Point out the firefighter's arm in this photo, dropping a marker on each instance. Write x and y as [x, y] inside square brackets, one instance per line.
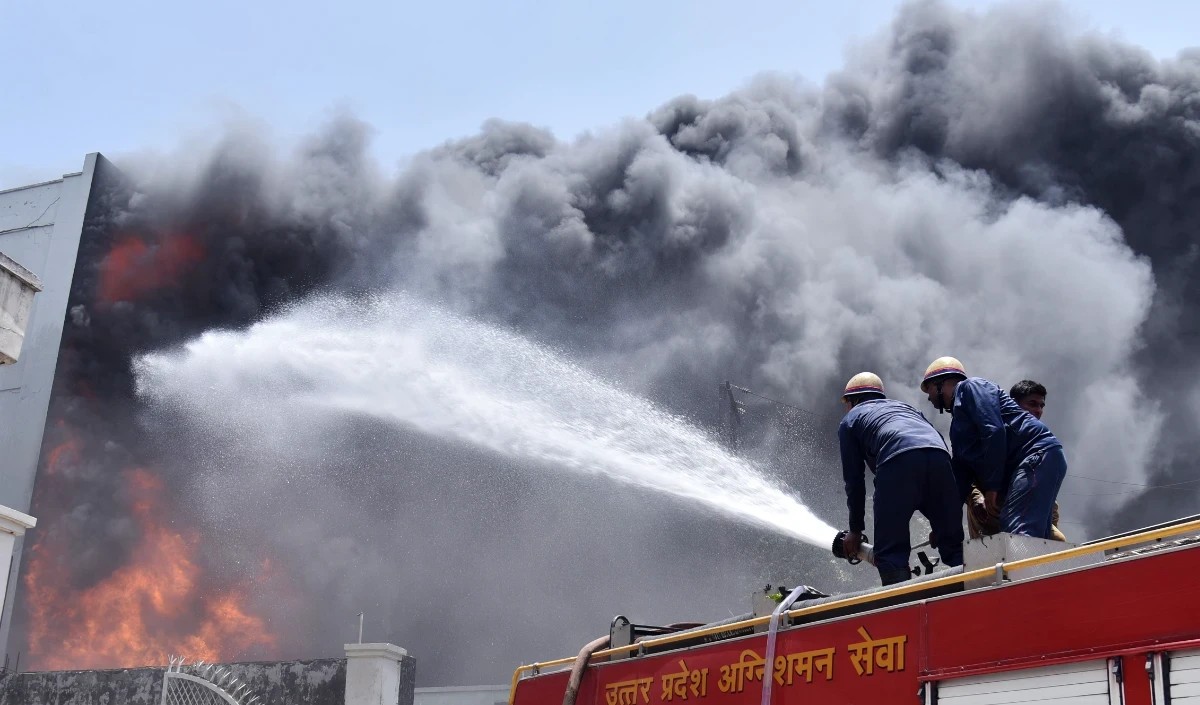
[854, 474]
[984, 413]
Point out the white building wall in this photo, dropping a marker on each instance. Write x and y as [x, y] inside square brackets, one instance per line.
[40, 227]
[462, 695]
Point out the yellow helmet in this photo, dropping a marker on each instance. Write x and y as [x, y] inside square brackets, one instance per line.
[863, 383]
[943, 367]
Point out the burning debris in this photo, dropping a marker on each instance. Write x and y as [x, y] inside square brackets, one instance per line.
[984, 180]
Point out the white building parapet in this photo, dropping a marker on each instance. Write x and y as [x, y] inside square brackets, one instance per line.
[17, 288]
[376, 674]
[12, 525]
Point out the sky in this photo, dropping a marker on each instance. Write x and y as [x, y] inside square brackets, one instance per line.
[136, 76]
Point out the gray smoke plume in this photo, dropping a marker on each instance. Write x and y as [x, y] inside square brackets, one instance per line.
[986, 185]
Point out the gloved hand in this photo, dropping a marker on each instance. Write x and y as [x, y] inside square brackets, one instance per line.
[852, 543]
[978, 509]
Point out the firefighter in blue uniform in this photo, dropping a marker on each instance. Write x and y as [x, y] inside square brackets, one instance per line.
[912, 473]
[1011, 456]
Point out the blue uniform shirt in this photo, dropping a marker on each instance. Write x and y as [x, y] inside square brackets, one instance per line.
[991, 434]
[874, 432]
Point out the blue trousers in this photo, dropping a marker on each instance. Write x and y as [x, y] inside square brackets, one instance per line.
[1032, 490]
[918, 480]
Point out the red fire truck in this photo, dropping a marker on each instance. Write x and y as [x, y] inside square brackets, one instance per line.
[1022, 621]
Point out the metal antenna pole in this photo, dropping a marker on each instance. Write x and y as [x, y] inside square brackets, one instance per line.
[360, 623]
[731, 412]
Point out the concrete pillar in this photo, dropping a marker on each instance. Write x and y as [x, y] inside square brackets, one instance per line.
[12, 525]
[379, 674]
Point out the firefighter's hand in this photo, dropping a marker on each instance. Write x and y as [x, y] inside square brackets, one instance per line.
[852, 543]
[978, 510]
[991, 504]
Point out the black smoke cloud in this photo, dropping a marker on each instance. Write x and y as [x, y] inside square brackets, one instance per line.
[987, 185]
[1087, 121]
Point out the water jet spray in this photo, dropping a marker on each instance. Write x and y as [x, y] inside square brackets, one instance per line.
[423, 368]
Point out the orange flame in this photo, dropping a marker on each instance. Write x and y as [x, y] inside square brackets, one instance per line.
[133, 267]
[64, 453]
[149, 607]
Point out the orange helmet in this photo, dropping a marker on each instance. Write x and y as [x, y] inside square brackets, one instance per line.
[943, 367]
[863, 383]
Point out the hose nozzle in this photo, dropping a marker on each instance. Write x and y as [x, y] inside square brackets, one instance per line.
[866, 552]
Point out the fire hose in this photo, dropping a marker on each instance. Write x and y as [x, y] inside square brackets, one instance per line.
[581, 663]
[778, 615]
[585, 655]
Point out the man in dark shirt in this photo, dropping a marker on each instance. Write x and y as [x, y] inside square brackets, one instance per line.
[912, 473]
[1012, 457]
[1031, 396]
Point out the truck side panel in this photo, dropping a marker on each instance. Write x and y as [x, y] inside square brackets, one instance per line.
[1122, 608]
[868, 661]
[1120, 605]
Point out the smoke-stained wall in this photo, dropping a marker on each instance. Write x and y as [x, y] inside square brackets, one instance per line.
[984, 184]
[40, 228]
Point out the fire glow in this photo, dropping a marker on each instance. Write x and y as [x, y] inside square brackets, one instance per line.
[133, 267]
[152, 605]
